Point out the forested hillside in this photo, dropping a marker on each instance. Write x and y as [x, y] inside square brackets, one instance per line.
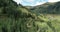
[17, 18]
[47, 8]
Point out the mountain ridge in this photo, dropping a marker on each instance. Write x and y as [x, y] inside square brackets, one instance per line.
[49, 8]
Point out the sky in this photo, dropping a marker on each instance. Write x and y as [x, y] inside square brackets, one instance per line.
[33, 2]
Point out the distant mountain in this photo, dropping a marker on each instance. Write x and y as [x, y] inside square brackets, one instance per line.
[50, 8]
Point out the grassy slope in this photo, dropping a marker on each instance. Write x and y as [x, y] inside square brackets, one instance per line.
[51, 19]
[32, 23]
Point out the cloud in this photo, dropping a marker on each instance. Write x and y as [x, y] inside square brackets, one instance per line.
[34, 2]
[18, 1]
[39, 3]
[53, 0]
[28, 0]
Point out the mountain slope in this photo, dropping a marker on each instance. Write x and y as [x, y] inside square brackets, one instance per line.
[49, 8]
[17, 18]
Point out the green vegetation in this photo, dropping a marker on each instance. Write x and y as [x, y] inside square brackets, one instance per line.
[17, 18]
[47, 8]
